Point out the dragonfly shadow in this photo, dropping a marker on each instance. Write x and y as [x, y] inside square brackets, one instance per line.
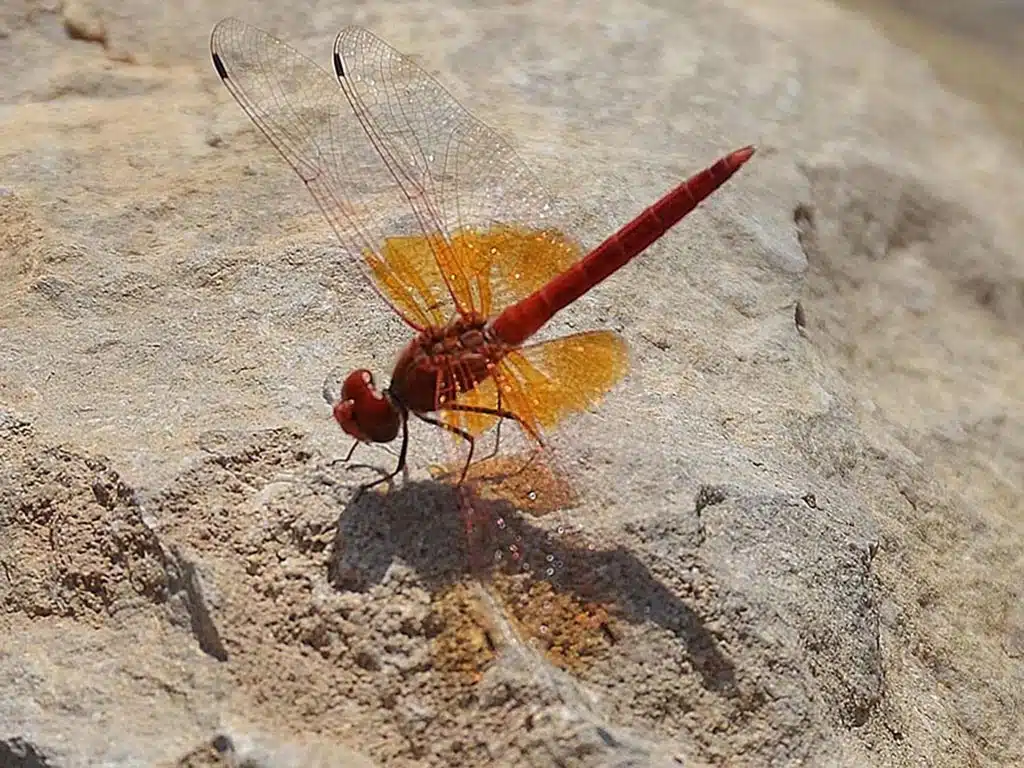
[420, 525]
[416, 522]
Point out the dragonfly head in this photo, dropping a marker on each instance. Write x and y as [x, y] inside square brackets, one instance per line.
[364, 412]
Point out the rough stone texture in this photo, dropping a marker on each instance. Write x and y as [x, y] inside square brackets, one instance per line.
[791, 536]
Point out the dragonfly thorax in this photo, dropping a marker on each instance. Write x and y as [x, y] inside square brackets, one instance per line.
[364, 412]
[444, 361]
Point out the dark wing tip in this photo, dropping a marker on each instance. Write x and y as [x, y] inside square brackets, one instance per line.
[219, 66]
[339, 66]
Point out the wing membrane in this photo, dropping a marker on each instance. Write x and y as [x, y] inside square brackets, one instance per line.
[461, 176]
[419, 191]
[305, 115]
[543, 383]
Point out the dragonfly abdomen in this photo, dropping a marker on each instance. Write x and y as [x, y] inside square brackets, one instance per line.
[524, 318]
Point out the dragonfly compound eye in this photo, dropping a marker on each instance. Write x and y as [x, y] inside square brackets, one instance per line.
[357, 384]
[365, 413]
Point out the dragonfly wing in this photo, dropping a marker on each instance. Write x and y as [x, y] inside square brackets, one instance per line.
[484, 395]
[462, 177]
[543, 383]
[301, 110]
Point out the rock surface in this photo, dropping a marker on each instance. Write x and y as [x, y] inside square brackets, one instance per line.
[794, 534]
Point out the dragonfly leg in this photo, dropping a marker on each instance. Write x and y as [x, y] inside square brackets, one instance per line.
[455, 431]
[537, 449]
[351, 450]
[497, 431]
[401, 460]
[466, 510]
[348, 456]
[501, 413]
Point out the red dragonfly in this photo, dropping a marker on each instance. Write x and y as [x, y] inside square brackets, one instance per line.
[449, 227]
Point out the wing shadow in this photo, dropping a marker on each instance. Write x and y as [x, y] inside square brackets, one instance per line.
[419, 523]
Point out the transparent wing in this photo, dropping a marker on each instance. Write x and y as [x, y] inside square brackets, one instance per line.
[504, 237]
[306, 116]
[543, 383]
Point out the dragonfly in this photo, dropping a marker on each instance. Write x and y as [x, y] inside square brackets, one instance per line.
[441, 218]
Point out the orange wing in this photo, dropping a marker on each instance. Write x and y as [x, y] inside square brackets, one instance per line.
[488, 269]
[543, 383]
